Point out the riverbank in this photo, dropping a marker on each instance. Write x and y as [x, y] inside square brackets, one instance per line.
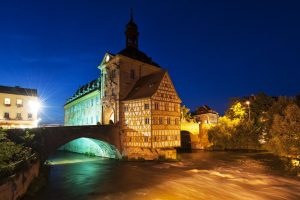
[289, 164]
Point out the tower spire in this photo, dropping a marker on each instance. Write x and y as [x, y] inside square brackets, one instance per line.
[131, 33]
[131, 15]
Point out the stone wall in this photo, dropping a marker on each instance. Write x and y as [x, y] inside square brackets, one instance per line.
[16, 186]
[135, 153]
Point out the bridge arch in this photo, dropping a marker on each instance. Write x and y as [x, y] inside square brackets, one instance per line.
[52, 138]
[186, 142]
[92, 147]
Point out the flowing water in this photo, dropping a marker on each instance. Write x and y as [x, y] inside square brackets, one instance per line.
[199, 175]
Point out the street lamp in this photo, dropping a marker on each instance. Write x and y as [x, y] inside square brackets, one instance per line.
[248, 104]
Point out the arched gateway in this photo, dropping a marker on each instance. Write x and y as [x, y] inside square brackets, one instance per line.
[49, 139]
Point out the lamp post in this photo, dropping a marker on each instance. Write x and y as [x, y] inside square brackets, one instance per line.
[248, 103]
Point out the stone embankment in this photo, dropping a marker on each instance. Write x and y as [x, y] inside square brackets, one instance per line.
[15, 186]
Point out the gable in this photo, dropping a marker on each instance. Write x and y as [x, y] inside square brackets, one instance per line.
[106, 58]
[166, 91]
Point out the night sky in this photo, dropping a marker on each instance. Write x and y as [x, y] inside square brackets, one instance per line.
[213, 50]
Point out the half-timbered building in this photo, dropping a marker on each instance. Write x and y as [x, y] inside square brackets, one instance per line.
[138, 94]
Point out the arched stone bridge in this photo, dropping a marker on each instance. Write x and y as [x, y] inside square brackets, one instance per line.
[49, 139]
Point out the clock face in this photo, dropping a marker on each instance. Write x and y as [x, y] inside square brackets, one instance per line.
[107, 58]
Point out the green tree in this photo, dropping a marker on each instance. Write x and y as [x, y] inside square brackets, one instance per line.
[259, 106]
[186, 114]
[285, 132]
[236, 111]
[9, 151]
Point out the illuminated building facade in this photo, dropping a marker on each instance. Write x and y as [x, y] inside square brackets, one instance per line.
[18, 107]
[206, 115]
[83, 108]
[139, 96]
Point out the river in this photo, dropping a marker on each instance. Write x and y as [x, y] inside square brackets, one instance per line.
[198, 175]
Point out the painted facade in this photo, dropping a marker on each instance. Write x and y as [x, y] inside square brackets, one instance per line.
[18, 107]
[83, 108]
[138, 95]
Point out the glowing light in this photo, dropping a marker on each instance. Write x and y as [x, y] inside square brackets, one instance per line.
[296, 163]
[91, 147]
[248, 103]
[35, 106]
[65, 162]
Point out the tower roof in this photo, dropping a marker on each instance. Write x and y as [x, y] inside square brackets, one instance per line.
[131, 22]
[131, 49]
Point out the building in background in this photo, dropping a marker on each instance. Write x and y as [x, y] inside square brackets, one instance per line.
[18, 107]
[135, 93]
[206, 115]
[83, 108]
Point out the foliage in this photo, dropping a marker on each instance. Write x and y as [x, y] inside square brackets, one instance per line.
[274, 125]
[285, 132]
[260, 104]
[186, 114]
[236, 111]
[11, 154]
[234, 134]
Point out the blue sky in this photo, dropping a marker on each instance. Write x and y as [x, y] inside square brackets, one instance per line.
[213, 50]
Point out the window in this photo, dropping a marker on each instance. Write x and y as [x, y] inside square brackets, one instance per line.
[147, 121]
[6, 115]
[125, 108]
[146, 139]
[166, 106]
[92, 102]
[156, 106]
[19, 116]
[113, 73]
[19, 102]
[168, 120]
[146, 106]
[29, 115]
[7, 101]
[160, 120]
[177, 121]
[162, 106]
[132, 74]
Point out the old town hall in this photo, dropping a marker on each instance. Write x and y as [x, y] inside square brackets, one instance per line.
[136, 94]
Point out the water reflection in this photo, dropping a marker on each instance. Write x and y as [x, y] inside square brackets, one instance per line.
[202, 175]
